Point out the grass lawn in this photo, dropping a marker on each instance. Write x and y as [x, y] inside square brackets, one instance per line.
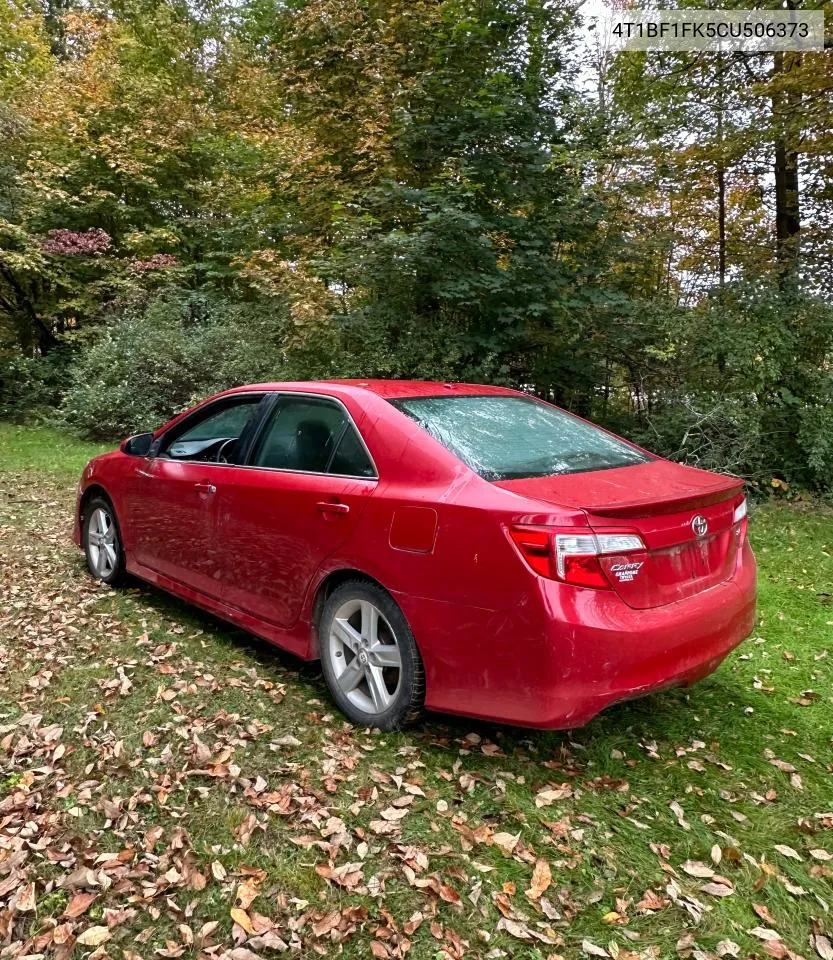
[172, 787]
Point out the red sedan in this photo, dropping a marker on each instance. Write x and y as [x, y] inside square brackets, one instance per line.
[464, 548]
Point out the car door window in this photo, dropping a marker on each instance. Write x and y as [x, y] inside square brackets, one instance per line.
[216, 436]
[313, 436]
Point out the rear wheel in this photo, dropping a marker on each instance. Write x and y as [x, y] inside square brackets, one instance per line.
[102, 542]
[369, 657]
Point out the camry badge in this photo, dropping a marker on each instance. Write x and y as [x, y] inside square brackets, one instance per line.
[700, 525]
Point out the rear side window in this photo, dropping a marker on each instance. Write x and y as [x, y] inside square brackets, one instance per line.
[313, 436]
[510, 438]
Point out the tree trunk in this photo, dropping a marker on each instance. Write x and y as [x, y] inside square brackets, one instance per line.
[721, 180]
[786, 105]
[721, 224]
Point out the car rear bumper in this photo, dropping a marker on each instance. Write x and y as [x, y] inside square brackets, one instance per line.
[674, 645]
[589, 650]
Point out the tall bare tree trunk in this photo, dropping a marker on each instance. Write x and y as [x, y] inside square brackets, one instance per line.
[786, 107]
[721, 179]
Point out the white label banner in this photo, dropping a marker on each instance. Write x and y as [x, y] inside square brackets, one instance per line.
[756, 31]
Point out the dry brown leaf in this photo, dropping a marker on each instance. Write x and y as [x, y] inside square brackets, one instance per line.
[24, 902]
[822, 946]
[449, 894]
[241, 918]
[246, 893]
[514, 928]
[763, 913]
[544, 798]
[541, 879]
[506, 842]
[327, 923]
[592, 949]
[786, 851]
[651, 901]
[79, 904]
[94, 936]
[240, 953]
[717, 889]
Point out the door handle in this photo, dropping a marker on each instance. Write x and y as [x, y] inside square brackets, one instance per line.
[327, 506]
[205, 487]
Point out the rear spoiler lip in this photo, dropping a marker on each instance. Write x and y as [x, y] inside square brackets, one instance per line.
[643, 508]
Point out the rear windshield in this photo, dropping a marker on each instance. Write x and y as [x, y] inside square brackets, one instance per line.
[509, 438]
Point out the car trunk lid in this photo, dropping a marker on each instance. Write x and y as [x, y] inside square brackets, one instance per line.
[684, 516]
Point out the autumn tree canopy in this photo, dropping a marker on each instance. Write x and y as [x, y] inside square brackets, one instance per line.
[201, 194]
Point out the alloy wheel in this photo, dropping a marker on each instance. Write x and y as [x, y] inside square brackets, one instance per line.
[102, 543]
[365, 656]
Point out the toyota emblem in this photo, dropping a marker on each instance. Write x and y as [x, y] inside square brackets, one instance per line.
[700, 525]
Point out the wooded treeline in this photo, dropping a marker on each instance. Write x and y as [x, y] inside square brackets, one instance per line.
[194, 195]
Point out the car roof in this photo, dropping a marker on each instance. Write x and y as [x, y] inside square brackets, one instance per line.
[388, 389]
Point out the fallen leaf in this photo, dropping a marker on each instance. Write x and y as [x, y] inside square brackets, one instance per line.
[544, 798]
[24, 902]
[241, 918]
[679, 813]
[651, 901]
[327, 923]
[822, 946]
[786, 851]
[592, 950]
[541, 879]
[506, 842]
[79, 904]
[514, 928]
[94, 936]
[763, 912]
[717, 889]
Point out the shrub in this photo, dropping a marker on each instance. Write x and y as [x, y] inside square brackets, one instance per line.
[31, 387]
[158, 359]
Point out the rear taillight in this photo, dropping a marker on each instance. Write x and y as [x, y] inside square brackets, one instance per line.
[572, 557]
[535, 548]
[740, 519]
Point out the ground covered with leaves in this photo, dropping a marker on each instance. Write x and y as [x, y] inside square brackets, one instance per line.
[171, 787]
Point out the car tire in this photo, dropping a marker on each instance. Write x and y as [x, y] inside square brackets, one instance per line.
[101, 539]
[369, 657]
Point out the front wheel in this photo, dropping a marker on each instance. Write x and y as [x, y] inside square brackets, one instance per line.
[102, 543]
[369, 657]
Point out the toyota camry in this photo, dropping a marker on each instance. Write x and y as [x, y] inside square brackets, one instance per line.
[461, 548]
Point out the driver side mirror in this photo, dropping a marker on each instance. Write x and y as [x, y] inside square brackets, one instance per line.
[138, 445]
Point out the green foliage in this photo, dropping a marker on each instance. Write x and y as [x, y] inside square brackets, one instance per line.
[192, 197]
[31, 387]
[161, 356]
[815, 439]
